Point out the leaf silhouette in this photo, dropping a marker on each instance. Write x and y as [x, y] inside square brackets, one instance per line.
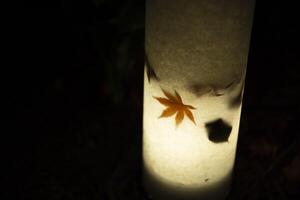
[237, 100]
[174, 106]
[214, 90]
[218, 130]
[150, 71]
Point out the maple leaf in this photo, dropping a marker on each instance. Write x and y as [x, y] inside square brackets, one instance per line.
[174, 106]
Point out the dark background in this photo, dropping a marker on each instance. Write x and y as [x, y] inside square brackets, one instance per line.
[74, 87]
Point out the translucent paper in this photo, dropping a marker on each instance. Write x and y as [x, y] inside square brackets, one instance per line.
[196, 58]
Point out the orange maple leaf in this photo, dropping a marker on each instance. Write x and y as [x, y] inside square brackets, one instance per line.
[175, 105]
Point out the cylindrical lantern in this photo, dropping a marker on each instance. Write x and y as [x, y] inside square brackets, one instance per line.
[196, 57]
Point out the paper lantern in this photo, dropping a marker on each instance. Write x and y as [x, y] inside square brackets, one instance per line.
[196, 57]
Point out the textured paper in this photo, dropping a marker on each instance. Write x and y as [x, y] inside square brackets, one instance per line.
[195, 49]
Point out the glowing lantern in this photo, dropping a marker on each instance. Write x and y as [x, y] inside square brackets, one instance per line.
[196, 57]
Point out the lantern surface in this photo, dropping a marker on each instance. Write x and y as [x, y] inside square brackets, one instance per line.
[196, 58]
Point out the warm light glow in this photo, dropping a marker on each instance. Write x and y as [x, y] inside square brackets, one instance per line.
[196, 56]
[184, 155]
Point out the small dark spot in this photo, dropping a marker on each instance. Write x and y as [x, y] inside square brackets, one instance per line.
[218, 130]
[150, 71]
[206, 179]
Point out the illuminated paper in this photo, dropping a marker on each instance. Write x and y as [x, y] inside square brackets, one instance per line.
[196, 58]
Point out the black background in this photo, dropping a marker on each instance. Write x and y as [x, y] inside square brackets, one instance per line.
[73, 89]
